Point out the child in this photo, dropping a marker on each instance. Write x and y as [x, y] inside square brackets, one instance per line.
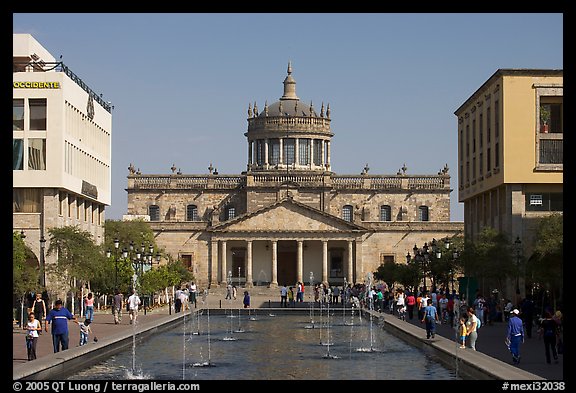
[402, 312]
[32, 327]
[84, 331]
[462, 332]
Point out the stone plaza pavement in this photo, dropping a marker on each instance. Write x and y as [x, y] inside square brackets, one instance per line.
[490, 337]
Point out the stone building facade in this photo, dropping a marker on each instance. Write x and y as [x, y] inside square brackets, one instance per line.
[288, 217]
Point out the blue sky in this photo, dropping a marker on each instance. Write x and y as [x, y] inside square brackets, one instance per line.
[181, 83]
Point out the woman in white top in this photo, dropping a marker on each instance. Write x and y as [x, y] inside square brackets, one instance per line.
[471, 325]
[400, 302]
[32, 326]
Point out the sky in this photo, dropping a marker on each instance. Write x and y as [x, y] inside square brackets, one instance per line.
[181, 83]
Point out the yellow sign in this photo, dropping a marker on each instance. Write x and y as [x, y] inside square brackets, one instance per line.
[36, 85]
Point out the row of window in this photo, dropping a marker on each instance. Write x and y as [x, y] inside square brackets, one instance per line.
[385, 213]
[309, 151]
[230, 213]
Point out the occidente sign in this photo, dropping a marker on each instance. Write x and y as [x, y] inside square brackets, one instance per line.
[36, 85]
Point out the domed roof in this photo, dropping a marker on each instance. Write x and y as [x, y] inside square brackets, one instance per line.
[289, 108]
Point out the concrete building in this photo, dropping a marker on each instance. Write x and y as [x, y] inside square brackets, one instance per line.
[61, 149]
[288, 217]
[510, 153]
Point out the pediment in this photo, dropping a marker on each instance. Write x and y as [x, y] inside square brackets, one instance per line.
[288, 216]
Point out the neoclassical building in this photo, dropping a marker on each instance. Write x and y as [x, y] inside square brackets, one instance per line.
[288, 217]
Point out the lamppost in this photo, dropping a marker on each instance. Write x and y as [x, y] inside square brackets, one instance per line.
[421, 257]
[142, 259]
[518, 250]
[42, 260]
[108, 254]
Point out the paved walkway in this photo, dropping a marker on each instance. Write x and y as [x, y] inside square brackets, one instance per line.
[490, 337]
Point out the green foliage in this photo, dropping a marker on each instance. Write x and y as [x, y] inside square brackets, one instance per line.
[136, 231]
[546, 264]
[77, 254]
[173, 273]
[24, 276]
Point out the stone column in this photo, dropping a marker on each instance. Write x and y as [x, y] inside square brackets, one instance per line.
[350, 273]
[274, 282]
[214, 262]
[323, 161]
[266, 153]
[249, 264]
[224, 271]
[300, 263]
[296, 153]
[359, 262]
[249, 152]
[281, 144]
[328, 154]
[325, 261]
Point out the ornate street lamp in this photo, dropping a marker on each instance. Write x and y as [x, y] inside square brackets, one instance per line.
[518, 249]
[42, 260]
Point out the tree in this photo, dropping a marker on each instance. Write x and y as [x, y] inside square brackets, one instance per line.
[77, 254]
[489, 258]
[545, 267]
[24, 276]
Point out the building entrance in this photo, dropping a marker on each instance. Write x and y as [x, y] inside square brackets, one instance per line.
[287, 268]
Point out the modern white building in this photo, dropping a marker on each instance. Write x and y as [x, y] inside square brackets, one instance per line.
[61, 149]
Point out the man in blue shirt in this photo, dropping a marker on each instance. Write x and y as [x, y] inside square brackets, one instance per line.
[515, 335]
[59, 316]
[431, 317]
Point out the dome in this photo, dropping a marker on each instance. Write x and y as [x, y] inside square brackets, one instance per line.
[289, 108]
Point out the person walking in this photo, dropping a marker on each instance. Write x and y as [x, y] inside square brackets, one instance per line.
[430, 317]
[246, 300]
[193, 290]
[283, 296]
[410, 302]
[549, 331]
[32, 327]
[39, 310]
[472, 327]
[59, 317]
[117, 304]
[133, 303]
[527, 313]
[291, 296]
[89, 307]
[515, 334]
[228, 292]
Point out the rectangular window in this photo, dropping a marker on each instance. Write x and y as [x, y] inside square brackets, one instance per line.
[154, 212]
[347, 213]
[488, 124]
[496, 119]
[37, 113]
[544, 201]
[481, 163]
[385, 258]
[304, 151]
[289, 151]
[317, 152]
[17, 114]
[17, 154]
[61, 201]
[551, 118]
[467, 140]
[496, 156]
[488, 160]
[481, 130]
[26, 200]
[36, 154]
[473, 167]
[259, 152]
[273, 151]
[230, 213]
[474, 136]
[460, 151]
[187, 261]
